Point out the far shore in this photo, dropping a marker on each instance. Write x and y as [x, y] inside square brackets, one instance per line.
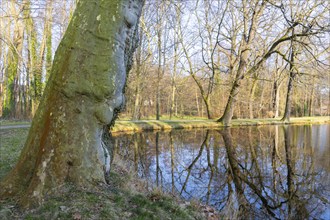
[160, 125]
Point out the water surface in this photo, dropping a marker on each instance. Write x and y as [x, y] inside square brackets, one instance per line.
[251, 172]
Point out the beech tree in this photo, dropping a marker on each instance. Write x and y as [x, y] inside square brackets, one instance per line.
[69, 140]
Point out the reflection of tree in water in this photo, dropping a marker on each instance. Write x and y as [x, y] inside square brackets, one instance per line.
[285, 193]
[254, 172]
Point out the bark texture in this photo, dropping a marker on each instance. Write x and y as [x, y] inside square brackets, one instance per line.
[69, 140]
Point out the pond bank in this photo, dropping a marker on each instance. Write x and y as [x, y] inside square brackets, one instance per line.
[125, 197]
[154, 125]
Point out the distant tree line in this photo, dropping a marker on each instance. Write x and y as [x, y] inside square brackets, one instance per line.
[202, 58]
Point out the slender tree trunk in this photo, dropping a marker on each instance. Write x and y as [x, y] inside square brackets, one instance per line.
[311, 100]
[261, 100]
[251, 97]
[69, 140]
[197, 105]
[287, 110]
[160, 56]
[208, 107]
[136, 111]
[173, 87]
[292, 75]
[176, 60]
[276, 98]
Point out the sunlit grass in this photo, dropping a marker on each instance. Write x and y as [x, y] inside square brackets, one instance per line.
[143, 125]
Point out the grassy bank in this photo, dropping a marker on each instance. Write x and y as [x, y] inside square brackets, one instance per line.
[126, 197]
[148, 125]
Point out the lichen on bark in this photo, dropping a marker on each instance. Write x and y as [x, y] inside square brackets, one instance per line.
[69, 139]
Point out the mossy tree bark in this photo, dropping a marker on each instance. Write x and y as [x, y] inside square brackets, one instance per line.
[69, 138]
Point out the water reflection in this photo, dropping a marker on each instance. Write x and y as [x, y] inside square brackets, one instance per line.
[249, 173]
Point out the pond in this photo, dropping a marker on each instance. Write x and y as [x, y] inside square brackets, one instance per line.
[249, 172]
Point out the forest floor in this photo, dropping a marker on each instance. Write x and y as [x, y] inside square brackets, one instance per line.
[126, 197]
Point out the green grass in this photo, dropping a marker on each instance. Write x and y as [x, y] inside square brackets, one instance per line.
[143, 125]
[126, 197]
[15, 122]
[11, 143]
[163, 117]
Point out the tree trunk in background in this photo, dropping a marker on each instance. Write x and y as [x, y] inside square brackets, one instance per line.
[311, 100]
[160, 56]
[176, 60]
[261, 99]
[32, 58]
[12, 70]
[204, 94]
[69, 139]
[228, 113]
[48, 36]
[251, 97]
[136, 111]
[287, 110]
[250, 25]
[197, 106]
[44, 60]
[276, 98]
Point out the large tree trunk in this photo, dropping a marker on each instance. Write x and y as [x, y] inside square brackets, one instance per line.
[69, 136]
[228, 113]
